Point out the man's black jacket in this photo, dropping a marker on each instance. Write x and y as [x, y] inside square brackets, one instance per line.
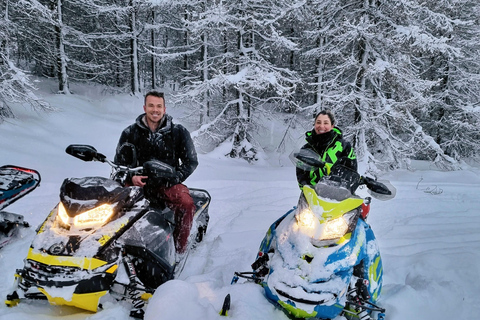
[170, 143]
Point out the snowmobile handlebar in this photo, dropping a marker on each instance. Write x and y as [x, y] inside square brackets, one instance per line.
[308, 159]
[89, 153]
[157, 170]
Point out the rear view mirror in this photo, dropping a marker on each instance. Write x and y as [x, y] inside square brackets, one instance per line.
[127, 155]
[381, 190]
[85, 152]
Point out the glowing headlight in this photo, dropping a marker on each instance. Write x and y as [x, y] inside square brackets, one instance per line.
[62, 214]
[334, 229]
[306, 218]
[88, 218]
[337, 228]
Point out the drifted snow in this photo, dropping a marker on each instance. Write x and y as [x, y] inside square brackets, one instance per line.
[64, 292]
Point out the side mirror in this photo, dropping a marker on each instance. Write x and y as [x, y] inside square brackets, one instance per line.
[85, 152]
[127, 155]
[383, 190]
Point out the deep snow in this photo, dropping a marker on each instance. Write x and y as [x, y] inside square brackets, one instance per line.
[428, 234]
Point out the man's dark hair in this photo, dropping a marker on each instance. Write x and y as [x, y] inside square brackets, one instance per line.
[155, 94]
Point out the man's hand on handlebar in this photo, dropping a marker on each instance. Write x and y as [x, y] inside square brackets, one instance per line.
[139, 181]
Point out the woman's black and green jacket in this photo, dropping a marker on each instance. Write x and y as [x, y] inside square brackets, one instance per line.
[332, 148]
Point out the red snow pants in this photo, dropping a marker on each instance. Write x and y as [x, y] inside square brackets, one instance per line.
[178, 199]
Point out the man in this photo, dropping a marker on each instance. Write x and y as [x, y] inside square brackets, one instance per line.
[156, 137]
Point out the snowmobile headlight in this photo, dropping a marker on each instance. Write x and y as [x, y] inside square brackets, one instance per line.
[98, 215]
[337, 228]
[334, 229]
[306, 218]
[62, 214]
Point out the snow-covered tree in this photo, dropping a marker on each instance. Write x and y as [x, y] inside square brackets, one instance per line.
[366, 70]
[453, 116]
[401, 76]
[57, 38]
[16, 88]
[170, 42]
[236, 41]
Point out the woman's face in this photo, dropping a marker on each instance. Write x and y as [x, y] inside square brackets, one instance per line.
[322, 124]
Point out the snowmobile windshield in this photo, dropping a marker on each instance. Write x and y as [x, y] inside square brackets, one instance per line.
[91, 202]
[82, 194]
[331, 189]
[343, 177]
[339, 175]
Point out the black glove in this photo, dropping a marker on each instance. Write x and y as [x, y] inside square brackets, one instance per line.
[179, 178]
[160, 174]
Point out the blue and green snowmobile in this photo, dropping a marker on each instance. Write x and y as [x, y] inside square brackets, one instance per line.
[321, 259]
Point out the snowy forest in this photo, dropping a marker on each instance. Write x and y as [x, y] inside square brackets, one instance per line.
[402, 77]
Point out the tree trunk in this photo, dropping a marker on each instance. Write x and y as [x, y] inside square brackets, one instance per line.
[152, 57]
[62, 67]
[5, 112]
[360, 88]
[205, 107]
[241, 146]
[135, 86]
[320, 68]
[186, 65]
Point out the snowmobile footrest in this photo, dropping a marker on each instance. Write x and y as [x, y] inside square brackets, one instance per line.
[12, 299]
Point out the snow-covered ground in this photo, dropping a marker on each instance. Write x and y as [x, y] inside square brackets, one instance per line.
[428, 234]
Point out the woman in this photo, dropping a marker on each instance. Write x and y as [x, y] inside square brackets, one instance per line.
[326, 140]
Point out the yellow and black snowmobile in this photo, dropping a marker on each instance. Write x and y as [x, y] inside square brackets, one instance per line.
[105, 238]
